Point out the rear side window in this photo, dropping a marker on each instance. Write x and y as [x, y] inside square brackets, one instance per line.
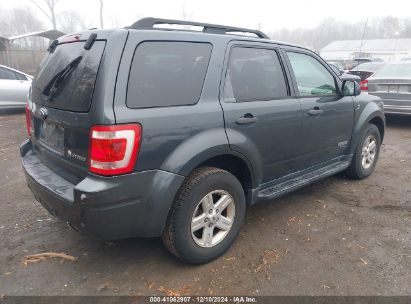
[167, 74]
[7, 74]
[254, 74]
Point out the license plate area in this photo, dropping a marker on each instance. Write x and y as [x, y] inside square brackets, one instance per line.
[52, 136]
[393, 88]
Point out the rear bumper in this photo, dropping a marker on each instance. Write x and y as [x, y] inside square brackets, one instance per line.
[395, 106]
[132, 205]
[12, 104]
[392, 109]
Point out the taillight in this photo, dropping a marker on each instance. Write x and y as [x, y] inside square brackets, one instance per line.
[114, 149]
[364, 85]
[28, 120]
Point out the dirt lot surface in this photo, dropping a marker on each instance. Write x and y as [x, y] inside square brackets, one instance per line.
[335, 237]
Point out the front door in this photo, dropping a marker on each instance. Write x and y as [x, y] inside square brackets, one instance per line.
[262, 119]
[327, 115]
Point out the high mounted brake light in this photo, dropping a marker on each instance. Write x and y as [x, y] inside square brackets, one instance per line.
[70, 38]
[114, 149]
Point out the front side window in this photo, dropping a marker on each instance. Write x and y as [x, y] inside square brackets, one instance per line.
[254, 74]
[311, 76]
[7, 74]
[167, 74]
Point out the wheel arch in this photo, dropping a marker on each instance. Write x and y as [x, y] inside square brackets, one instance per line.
[370, 114]
[211, 148]
[379, 122]
[237, 166]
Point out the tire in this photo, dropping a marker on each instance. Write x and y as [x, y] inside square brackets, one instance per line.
[193, 246]
[357, 169]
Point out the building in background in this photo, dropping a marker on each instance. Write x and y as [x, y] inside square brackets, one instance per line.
[385, 49]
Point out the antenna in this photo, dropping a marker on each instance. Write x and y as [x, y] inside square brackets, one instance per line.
[363, 34]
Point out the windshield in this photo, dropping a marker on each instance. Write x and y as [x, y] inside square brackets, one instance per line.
[395, 70]
[66, 77]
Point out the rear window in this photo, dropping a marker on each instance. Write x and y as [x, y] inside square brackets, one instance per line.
[167, 74]
[371, 67]
[76, 90]
[395, 70]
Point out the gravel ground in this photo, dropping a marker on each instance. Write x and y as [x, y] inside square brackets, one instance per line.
[335, 237]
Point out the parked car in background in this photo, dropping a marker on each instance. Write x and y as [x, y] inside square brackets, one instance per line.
[14, 88]
[343, 75]
[337, 64]
[357, 61]
[365, 70]
[392, 83]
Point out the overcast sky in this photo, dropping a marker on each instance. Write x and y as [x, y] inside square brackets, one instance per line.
[271, 15]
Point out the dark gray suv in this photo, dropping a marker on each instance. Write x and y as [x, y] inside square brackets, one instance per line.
[148, 132]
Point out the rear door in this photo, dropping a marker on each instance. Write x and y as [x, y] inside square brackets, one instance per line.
[261, 115]
[327, 116]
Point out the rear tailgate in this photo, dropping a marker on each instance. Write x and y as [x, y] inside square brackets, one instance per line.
[76, 90]
[64, 108]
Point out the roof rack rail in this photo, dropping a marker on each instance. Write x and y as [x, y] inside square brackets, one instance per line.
[149, 23]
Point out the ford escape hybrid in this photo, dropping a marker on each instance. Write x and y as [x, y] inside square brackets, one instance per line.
[148, 131]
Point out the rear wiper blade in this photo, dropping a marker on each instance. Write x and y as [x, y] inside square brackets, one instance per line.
[51, 89]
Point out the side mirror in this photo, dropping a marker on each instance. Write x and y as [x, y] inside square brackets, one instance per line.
[350, 88]
[335, 69]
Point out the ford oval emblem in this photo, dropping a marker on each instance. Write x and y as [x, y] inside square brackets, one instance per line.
[43, 113]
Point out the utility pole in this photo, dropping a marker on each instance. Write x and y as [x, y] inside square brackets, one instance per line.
[51, 5]
[363, 35]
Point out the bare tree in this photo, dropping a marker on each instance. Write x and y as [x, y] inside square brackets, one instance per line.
[101, 13]
[406, 33]
[71, 21]
[389, 27]
[186, 15]
[49, 11]
[330, 29]
[18, 21]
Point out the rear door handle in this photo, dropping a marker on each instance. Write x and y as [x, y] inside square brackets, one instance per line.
[246, 119]
[315, 112]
